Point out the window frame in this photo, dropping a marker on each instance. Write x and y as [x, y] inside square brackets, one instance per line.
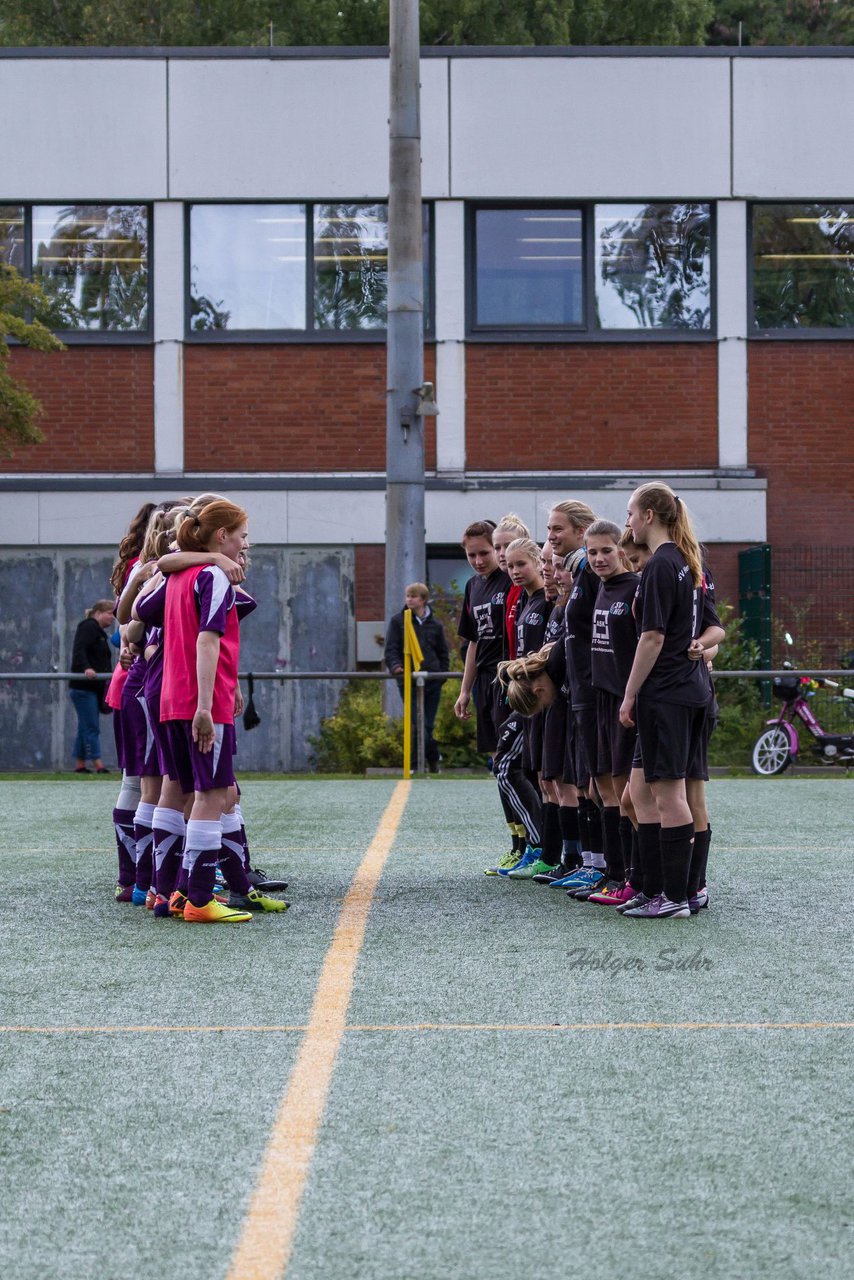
[588, 332]
[93, 337]
[309, 335]
[786, 335]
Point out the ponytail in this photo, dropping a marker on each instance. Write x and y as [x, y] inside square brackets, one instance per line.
[518, 675]
[659, 498]
[194, 529]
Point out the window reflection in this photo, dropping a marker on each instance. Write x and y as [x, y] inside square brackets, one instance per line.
[12, 236]
[529, 267]
[247, 266]
[92, 263]
[653, 266]
[350, 266]
[803, 266]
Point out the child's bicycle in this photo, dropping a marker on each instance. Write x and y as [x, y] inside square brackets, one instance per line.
[777, 748]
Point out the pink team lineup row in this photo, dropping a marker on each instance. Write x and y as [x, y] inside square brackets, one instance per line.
[589, 661]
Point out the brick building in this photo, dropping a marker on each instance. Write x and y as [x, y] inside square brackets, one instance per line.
[638, 263]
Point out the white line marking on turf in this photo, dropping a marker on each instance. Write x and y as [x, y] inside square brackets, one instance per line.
[270, 1224]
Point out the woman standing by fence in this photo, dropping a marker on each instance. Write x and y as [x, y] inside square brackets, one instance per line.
[90, 656]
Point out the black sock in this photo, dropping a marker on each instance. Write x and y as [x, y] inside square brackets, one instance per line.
[594, 824]
[552, 843]
[614, 869]
[649, 848]
[699, 861]
[635, 876]
[676, 860]
[571, 836]
[626, 832]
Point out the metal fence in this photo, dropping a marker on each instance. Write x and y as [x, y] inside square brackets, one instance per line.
[837, 712]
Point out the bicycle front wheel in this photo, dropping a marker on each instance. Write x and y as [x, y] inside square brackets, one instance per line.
[771, 753]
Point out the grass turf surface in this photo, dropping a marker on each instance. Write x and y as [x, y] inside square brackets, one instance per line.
[442, 1153]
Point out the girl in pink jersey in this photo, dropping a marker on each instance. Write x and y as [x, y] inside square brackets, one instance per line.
[201, 646]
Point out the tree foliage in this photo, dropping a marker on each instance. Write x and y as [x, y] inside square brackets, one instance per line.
[783, 22]
[19, 410]
[351, 22]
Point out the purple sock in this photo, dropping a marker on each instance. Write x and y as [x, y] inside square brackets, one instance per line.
[168, 847]
[231, 861]
[125, 845]
[200, 880]
[144, 837]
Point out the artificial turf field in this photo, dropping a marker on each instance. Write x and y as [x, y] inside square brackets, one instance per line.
[486, 1118]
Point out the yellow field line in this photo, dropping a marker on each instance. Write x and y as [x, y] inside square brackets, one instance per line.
[445, 1026]
[267, 1235]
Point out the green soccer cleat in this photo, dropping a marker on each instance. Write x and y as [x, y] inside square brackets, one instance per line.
[535, 868]
[505, 862]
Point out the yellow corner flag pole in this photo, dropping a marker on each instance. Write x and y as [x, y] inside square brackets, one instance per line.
[413, 659]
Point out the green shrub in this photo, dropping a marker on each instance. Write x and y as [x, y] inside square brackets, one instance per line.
[359, 735]
[741, 713]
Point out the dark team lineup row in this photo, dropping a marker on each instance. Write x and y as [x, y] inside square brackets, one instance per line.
[591, 661]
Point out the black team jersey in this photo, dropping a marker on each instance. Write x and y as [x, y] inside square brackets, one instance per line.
[667, 601]
[482, 618]
[615, 638]
[554, 626]
[578, 629]
[707, 615]
[531, 618]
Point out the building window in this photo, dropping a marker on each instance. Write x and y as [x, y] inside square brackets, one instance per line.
[803, 266]
[247, 266]
[588, 270]
[12, 236]
[292, 269]
[529, 268]
[92, 263]
[653, 266]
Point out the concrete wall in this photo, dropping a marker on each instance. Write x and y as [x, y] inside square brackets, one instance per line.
[304, 622]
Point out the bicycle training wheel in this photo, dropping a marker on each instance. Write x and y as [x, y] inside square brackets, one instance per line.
[771, 753]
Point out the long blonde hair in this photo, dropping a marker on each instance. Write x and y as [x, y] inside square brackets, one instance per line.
[659, 498]
[518, 675]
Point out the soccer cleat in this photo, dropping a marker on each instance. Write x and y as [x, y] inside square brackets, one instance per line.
[638, 900]
[527, 872]
[524, 860]
[698, 901]
[560, 872]
[577, 879]
[256, 901]
[659, 908]
[161, 908]
[260, 880]
[138, 896]
[124, 892]
[150, 899]
[611, 894]
[507, 860]
[177, 903]
[595, 880]
[215, 913]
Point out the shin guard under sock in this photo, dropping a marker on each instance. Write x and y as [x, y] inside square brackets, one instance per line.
[699, 861]
[676, 860]
[614, 868]
[204, 841]
[649, 849]
[231, 855]
[144, 837]
[552, 843]
[570, 836]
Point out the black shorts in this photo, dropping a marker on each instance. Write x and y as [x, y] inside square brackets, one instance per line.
[491, 711]
[671, 738]
[637, 758]
[534, 743]
[512, 727]
[616, 743]
[698, 765]
[554, 739]
[586, 742]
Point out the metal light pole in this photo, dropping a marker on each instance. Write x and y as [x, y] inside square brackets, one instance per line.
[406, 398]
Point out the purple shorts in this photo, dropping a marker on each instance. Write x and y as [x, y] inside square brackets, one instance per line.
[194, 770]
[136, 734]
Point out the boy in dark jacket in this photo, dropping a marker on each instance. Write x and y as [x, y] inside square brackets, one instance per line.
[434, 647]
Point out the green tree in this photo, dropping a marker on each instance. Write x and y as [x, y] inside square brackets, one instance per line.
[19, 410]
[782, 22]
[351, 22]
